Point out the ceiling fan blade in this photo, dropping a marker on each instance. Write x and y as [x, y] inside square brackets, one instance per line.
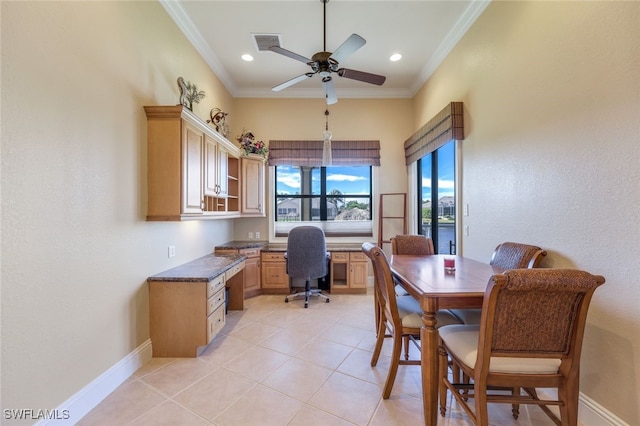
[362, 76]
[350, 45]
[291, 82]
[329, 91]
[289, 54]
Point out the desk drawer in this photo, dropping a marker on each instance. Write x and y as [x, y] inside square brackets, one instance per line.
[214, 301]
[358, 257]
[253, 252]
[273, 257]
[342, 257]
[215, 322]
[215, 285]
[234, 270]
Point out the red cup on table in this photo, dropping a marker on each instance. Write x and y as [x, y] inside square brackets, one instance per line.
[449, 264]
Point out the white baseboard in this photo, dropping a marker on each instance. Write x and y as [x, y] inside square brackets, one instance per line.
[91, 395]
[590, 413]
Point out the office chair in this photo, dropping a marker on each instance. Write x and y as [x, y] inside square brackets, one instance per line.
[307, 258]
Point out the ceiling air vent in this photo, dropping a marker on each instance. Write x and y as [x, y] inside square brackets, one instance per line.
[264, 41]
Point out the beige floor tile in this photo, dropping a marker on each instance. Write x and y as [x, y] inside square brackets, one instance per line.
[324, 353]
[153, 365]
[401, 410]
[360, 320]
[255, 332]
[260, 406]
[343, 333]
[347, 397]
[271, 358]
[169, 414]
[215, 393]
[282, 317]
[298, 379]
[127, 402]
[257, 363]
[311, 416]
[358, 364]
[287, 341]
[224, 348]
[174, 377]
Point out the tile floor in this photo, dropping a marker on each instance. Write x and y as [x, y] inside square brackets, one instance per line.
[277, 363]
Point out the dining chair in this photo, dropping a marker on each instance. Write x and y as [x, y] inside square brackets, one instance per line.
[417, 245]
[307, 258]
[507, 255]
[400, 318]
[529, 337]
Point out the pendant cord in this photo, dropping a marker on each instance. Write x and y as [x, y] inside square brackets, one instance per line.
[326, 114]
[324, 30]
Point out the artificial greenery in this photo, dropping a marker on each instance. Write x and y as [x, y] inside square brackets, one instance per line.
[193, 95]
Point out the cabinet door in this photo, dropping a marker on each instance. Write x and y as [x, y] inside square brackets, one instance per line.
[210, 166]
[251, 272]
[223, 173]
[192, 148]
[253, 186]
[358, 275]
[274, 275]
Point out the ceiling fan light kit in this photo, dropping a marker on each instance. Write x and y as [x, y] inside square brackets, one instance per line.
[326, 63]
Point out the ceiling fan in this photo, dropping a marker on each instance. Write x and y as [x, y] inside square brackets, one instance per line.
[326, 63]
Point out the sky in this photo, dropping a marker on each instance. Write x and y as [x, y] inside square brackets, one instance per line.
[446, 173]
[348, 180]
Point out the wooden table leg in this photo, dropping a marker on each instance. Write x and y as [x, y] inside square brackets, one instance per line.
[429, 361]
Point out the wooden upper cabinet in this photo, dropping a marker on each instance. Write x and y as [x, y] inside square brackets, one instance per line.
[253, 181]
[193, 171]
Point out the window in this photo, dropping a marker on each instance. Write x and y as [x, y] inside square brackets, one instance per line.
[337, 198]
[436, 187]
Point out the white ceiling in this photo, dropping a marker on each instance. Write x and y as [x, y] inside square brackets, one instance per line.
[423, 31]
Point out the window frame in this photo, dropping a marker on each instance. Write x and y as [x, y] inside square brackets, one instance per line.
[344, 231]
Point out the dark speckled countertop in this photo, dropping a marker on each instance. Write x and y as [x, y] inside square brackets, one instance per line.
[239, 245]
[275, 247]
[205, 268]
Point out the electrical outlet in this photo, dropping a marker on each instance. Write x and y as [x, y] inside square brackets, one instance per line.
[172, 251]
[250, 235]
[257, 234]
[466, 230]
[465, 210]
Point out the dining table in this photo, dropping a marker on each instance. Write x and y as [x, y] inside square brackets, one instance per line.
[436, 287]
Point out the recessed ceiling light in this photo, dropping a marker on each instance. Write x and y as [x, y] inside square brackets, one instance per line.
[247, 57]
[395, 57]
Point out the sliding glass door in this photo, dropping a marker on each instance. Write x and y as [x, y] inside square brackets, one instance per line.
[436, 192]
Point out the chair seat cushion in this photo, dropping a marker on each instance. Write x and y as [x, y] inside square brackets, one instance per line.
[462, 341]
[468, 316]
[411, 313]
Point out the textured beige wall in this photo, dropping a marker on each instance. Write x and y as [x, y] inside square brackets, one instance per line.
[387, 120]
[76, 248]
[552, 100]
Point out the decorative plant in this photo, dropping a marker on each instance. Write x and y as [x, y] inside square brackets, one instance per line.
[250, 145]
[189, 93]
[193, 94]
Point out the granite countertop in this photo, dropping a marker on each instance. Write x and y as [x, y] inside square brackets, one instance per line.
[279, 247]
[205, 268]
[239, 245]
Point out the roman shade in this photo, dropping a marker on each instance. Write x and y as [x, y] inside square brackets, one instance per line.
[309, 153]
[446, 126]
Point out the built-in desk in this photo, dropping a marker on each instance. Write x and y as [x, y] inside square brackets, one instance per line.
[348, 270]
[187, 303]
